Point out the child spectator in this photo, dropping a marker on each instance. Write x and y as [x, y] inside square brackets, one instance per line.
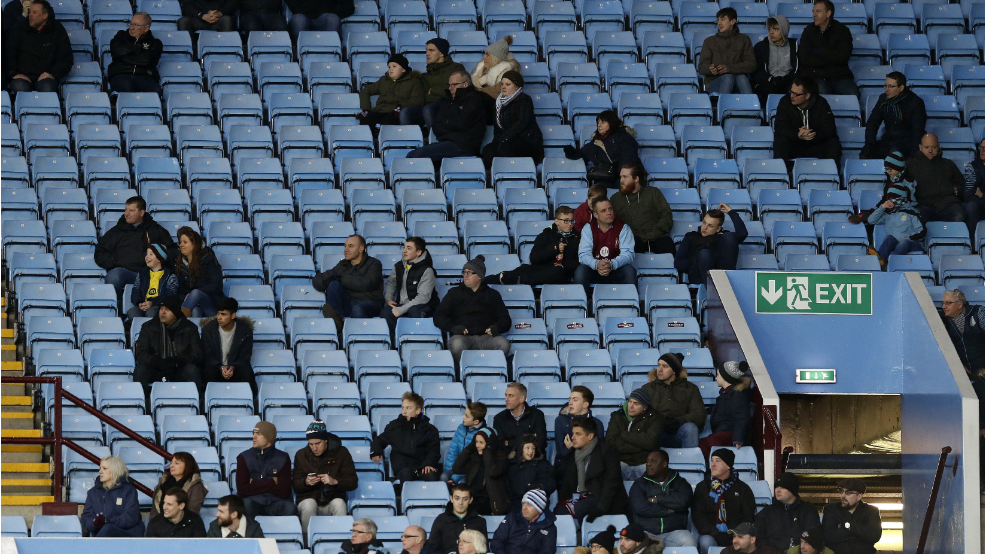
[473, 420]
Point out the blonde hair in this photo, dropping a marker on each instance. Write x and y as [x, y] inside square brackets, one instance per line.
[117, 469]
[478, 540]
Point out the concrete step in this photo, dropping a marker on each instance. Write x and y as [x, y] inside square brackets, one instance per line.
[25, 486]
[29, 457]
[17, 389]
[13, 469]
[25, 500]
[11, 367]
[31, 433]
[17, 420]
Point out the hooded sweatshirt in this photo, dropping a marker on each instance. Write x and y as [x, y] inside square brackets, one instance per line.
[781, 63]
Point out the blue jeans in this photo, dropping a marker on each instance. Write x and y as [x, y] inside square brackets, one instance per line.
[120, 277]
[199, 303]
[724, 256]
[844, 86]
[419, 115]
[681, 537]
[632, 473]
[586, 276]
[728, 83]
[438, 151]
[414, 312]
[705, 542]
[324, 22]
[338, 298]
[268, 505]
[41, 85]
[892, 245]
[685, 437]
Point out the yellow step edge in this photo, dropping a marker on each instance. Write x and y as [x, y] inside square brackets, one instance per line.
[8, 347]
[6, 333]
[24, 467]
[25, 482]
[21, 448]
[15, 400]
[16, 415]
[11, 366]
[20, 433]
[7, 500]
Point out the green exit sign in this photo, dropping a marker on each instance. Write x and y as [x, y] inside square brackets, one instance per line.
[816, 376]
[830, 293]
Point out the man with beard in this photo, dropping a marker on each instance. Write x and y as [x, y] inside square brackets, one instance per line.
[851, 526]
[645, 210]
[363, 540]
[634, 540]
[711, 247]
[744, 541]
[231, 521]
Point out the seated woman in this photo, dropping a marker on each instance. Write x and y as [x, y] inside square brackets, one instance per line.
[153, 283]
[612, 146]
[199, 275]
[515, 134]
[488, 73]
[111, 508]
[397, 89]
[484, 465]
[183, 474]
[532, 472]
[471, 541]
[731, 413]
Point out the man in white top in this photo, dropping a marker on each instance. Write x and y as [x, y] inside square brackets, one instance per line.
[227, 341]
[231, 522]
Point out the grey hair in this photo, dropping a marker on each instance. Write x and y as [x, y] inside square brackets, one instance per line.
[117, 468]
[145, 15]
[465, 75]
[478, 540]
[368, 524]
[957, 293]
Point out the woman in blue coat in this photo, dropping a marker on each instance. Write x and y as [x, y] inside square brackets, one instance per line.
[111, 508]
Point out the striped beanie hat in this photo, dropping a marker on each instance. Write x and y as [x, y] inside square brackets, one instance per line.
[895, 160]
[536, 498]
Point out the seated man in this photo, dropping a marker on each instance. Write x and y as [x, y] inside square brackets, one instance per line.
[527, 529]
[262, 15]
[458, 516]
[168, 348]
[727, 58]
[436, 77]
[711, 247]
[323, 473]
[677, 401]
[589, 478]
[207, 15]
[811, 542]
[553, 258]
[940, 184]
[825, 48]
[645, 210]
[363, 539]
[354, 287]
[231, 522]
[782, 524]
[804, 125]
[974, 188]
[42, 51]
[633, 539]
[579, 405]
[409, 290]
[714, 513]
[473, 314]
[519, 420]
[659, 501]
[745, 541]
[414, 541]
[175, 521]
[415, 448]
[851, 525]
[606, 249]
[227, 343]
[263, 476]
[904, 115]
[583, 213]
[135, 56]
[459, 122]
[776, 60]
[395, 90]
[634, 431]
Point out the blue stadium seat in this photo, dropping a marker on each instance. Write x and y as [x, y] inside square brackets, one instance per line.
[55, 526]
[285, 529]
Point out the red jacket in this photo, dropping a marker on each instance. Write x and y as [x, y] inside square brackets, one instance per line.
[582, 216]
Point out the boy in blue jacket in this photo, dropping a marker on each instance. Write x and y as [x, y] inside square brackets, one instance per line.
[473, 420]
[904, 231]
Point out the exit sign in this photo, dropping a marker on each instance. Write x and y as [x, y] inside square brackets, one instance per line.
[830, 293]
[816, 376]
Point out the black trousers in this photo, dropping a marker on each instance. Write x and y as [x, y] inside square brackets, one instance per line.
[528, 274]
[789, 150]
[662, 245]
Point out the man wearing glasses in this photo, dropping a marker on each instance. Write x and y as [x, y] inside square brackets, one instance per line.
[363, 540]
[414, 541]
[135, 56]
[473, 314]
[553, 258]
[904, 115]
[459, 122]
[804, 126]
[851, 526]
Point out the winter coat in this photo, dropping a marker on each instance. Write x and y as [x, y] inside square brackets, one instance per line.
[616, 150]
[190, 526]
[363, 282]
[462, 438]
[825, 54]
[187, 346]
[374, 547]
[250, 530]
[413, 444]
[562, 428]
[256, 469]
[135, 56]
[817, 116]
[515, 535]
[527, 475]
[444, 532]
[404, 92]
[729, 48]
[511, 431]
[545, 249]
[463, 309]
[420, 278]
[118, 505]
[694, 242]
[436, 77]
[208, 280]
[740, 507]
[905, 129]
[780, 526]
[971, 344]
[517, 124]
[670, 513]
[486, 472]
[490, 82]
[44, 50]
[760, 549]
[240, 352]
[197, 8]
[125, 245]
[247, 6]
[863, 530]
[903, 222]
[762, 54]
[646, 212]
[315, 8]
[974, 177]
[194, 487]
[939, 181]
[336, 461]
[603, 480]
[461, 119]
[168, 286]
[634, 438]
[732, 412]
[677, 403]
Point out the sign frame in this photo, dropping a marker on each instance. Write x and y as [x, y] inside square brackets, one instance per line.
[760, 295]
[823, 381]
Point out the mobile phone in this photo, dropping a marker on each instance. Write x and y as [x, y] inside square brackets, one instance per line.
[312, 474]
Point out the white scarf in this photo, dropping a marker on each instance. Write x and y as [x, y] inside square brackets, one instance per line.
[502, 101]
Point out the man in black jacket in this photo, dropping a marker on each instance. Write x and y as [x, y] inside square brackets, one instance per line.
[168, 348]
[553, 258]
[825, 48]
[804, 126]
[354, 287]
[903, 113]
[227, 345]
[940, 184]
[590, 479]
[459, 124]
[782, 524]
[409, 290]
[135, 56]
[231, 522]
[415, 448]
[457, 517]
[207, 15]
[473, 314]
[42, 51]
[851, 526]
[318, 15]
[518, 420]
[721, 493]
[260, 15]
[711, 247]
[175, 521]
[776, 60]
[660, 500]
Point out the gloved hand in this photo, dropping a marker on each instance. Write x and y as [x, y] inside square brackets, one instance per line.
[99, 522]
[571, 152]
[361, 116]
[864, 154]
[592, 516]
[855, 218]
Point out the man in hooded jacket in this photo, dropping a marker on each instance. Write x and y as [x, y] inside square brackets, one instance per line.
[168, 348]
[804, 125]
[776, 59]
[660, 500]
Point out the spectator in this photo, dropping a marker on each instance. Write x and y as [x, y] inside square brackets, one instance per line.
[612, 146]
[721, 502]
[811, 542]
[154, 281]
[397, 89]
[776, 60]
[583, 213]
[744, 541]
[824, 50]
[660, 500]
[483, 463]
[207, 15]
[323, 473]
[199, 275]
[231, 522]
[727, 58]
[122, 250]
[414, 541]
[495, 63]
[168, 348]
[959, 318]
[459, 516]
[14, 15]
[804, 125]
[42, 51]
[438, 82]
[318, 15]
[135, 56]
[473, 420]
[518, 420]
[898, 212]
[227, 344]
[851, 526]
[940, 184]
[974, 188]
[579, 405]
[528, 529]
[676, 400]
[634, 540]
[589, 479]
[533, 471]
[262, 15]
[611, 261]
[515, 133]
[732, 410]
[409, 289]
[459, 122]
[363, 540]
[111, 508]
[553, 258]
[649, 217]
[904, 115]
[354, 287]
[471, 541]
[263, 476]
[183, 473]
[711, 247]
[782, 524]
[634, 431]
[473, 314]
[175, 521]
[604, 542]
[415, 449]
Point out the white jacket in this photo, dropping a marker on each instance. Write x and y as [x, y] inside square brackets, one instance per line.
[495, 73]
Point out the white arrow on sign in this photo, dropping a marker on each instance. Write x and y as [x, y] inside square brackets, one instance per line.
[772, 295]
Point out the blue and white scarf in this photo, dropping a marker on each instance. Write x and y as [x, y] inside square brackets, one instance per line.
[502, 101]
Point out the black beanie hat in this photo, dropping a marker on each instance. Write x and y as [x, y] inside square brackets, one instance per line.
[173, 304]
[606, 539]
[726, 456]
[400, 60]
[788, 481]
[514, 77]
[675, 360]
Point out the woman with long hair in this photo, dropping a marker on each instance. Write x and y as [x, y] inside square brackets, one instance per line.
[484, 465]
[533, 471]
[488, 72]
[516, 133]
[612, 146]
[111, 508]
[199, 275]
[183, 473]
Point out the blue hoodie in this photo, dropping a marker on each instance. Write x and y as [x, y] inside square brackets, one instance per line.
[119, 505]
[902, 222]
[461, 439]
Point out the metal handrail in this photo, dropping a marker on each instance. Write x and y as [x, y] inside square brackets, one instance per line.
[941, 464]
[773, 438]
[57, 440]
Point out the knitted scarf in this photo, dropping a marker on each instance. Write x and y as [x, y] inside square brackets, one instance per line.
[717, 494]
[502, 102]
[891, 107]
[581, 461]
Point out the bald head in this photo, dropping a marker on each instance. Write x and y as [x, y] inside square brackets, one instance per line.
[929, 146]
[413, 539]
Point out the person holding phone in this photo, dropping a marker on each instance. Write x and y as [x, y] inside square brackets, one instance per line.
[323, 473]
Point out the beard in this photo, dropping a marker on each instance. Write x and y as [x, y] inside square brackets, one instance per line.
[627, 189]
[224, 522]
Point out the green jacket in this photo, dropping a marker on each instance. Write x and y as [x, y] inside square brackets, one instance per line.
[634, 438]
[406, 91]
[677, 403]
[436, 79]
[646, 212]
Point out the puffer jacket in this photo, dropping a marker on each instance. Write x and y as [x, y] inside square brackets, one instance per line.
[489, 82]
[634, 438]
[436, 76]
[527, 475]
[732, 412]
[939, 181]
[240, 352]
[118, 505]
[135, 56]
[44, 50]
[462, 438]
[670, 512]
[414, 443]
[517, 124]
[646, 212]
[677, 403]
[486, 472]
[616, 150]
[125, 245]
[336, 461]
[729, 48]
[515, 535]
[208, 280]
[903, 222]
[825, 54]
[404, 92]
[187, 345]
[475, 311]
[363, 282]
[194, 487]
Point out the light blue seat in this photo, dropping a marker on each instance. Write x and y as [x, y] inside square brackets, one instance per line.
[282, 399]
[326, 533]
[285, 529]
[54, 526]
[228, 399]
[120, 398]
[186, 428]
